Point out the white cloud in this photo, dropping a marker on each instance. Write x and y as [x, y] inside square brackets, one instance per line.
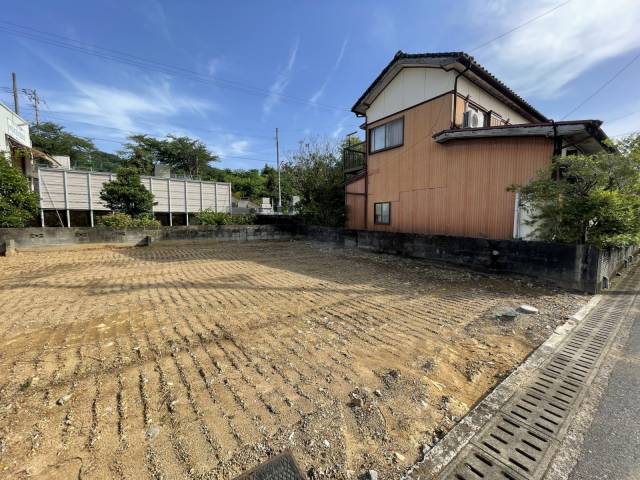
[316, 96]
[282, 80]
[544, 56]
[340, 127]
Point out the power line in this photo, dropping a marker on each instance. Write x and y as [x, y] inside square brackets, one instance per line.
[601, 87]
[531, 20]
[146, 64]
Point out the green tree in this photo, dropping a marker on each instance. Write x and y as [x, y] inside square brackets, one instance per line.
[18, 204]
[184, 155]
[53, 139]
[126, 194]
[588, 199]
[315, 173]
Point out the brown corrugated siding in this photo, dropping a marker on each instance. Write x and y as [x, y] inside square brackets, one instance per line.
[457, 188]
[355, 204]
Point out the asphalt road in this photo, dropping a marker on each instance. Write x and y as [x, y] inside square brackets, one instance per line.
[611, 448]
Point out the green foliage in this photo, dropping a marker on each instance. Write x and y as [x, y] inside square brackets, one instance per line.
[126, 194]
[246, 219]
[315, 173]
[593, 199]
[18, 204]
[120, 221]
[184, 155]
[210, 217]
[55, 140]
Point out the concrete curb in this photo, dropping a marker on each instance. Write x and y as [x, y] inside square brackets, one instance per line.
[439, 456]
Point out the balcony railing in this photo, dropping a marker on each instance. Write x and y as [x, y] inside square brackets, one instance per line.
[353, 157]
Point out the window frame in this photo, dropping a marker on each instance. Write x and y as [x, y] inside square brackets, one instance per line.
[384, 149]
[375, 216]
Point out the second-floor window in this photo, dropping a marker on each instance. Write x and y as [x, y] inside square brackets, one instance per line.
[388, 135]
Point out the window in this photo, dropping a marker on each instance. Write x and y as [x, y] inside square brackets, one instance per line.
[388, 135]
[382, 213]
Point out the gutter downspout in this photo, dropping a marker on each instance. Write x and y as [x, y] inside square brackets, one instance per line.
[455, 93]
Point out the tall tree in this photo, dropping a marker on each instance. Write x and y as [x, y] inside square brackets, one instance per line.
[126, 194]
[53, 139]
[592, 199]
[315, 172]
[18, 204]
[184, 155]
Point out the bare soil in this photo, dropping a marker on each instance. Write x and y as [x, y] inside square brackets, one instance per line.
[203, 360]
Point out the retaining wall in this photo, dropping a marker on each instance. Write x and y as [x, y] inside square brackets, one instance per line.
[43, 237]
[577, 267]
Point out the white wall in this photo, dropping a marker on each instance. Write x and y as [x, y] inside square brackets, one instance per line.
[200, 195]
[410, 87]
[479, 96]
[14, 126]
[415, 85]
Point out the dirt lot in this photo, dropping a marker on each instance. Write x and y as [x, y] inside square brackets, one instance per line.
[202, 360]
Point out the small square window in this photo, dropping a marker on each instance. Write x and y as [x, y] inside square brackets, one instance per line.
[382, 213]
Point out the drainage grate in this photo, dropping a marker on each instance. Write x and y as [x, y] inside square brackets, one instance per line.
[555, 387]
[473, 464]
[520, 447]
[280, 467]
[546, 415]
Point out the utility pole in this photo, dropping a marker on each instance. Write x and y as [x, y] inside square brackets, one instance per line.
[16, 105]
[32, 94]
[278, 165]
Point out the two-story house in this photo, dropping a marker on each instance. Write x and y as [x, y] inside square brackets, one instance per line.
[444, 140]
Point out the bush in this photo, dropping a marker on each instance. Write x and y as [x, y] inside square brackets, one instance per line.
[210, 217]
[245, 219]
[18, 204]
[126, 193]
[119, 220]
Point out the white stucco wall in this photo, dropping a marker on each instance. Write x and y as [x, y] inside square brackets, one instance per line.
[13, 126]
[410, 87]
[479, 96]
[415, 85]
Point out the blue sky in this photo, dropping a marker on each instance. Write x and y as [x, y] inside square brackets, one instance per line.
[229, 72]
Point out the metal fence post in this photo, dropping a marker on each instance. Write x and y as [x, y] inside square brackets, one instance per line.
[66, 198]
[90, 198]
[169, 201]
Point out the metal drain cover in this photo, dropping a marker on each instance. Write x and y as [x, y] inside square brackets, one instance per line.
[518, 446]
[473, 464]
[547, 416]
[280, 467]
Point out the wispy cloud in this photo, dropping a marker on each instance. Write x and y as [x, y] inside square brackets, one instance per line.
[282, 80]
[155, 17]
[340, 126]
[544, 56]
[316, 96]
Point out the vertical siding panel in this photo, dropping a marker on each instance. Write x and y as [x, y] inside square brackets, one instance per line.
[457, 188]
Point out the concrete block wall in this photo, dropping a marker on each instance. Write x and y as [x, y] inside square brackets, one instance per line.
[24, 238]
[576, 267]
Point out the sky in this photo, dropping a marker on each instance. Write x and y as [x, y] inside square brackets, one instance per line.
[230, 72]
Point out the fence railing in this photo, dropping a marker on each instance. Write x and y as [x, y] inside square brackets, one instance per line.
[353, 157]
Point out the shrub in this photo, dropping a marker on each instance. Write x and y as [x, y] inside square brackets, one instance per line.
[18, 204]
[120, 220]
[209, 217]
[126, 193]
[245, 219]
